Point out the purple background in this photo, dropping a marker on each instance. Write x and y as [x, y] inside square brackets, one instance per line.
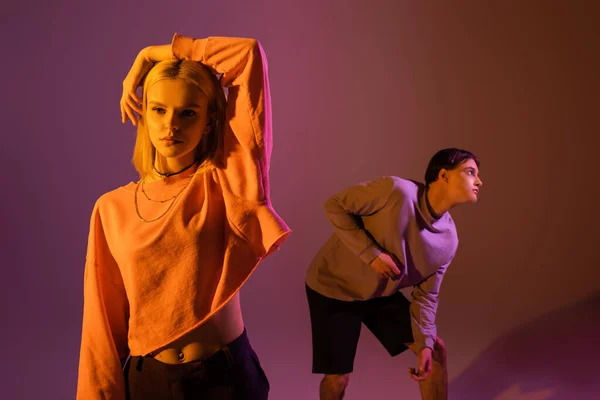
[360, 89]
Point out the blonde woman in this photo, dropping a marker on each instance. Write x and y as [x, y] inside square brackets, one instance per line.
[168, 254]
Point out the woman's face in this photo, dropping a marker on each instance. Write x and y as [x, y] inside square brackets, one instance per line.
[176, 117]
[464, 182]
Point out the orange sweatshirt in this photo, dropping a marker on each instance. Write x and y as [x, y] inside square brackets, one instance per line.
[147, 284]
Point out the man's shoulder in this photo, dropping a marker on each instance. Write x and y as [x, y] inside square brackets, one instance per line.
[408, 188]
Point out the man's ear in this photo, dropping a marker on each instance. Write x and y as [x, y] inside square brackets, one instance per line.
[443, 174]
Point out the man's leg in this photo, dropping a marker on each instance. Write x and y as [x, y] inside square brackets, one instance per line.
[435, 387]
[335, 331]
[389, 320]
[333, 386]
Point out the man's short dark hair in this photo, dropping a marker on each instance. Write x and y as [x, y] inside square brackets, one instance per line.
[447, 159]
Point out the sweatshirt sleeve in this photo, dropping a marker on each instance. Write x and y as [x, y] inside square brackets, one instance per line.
[423, 309]
[345, 209]
[105, 321]
[247, 141]
[247, 136]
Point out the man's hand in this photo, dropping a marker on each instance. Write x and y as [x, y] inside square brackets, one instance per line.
[385, 266]
[424, 369]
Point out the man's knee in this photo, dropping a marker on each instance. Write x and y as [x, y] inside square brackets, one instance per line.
[439, 350]
[336, 382]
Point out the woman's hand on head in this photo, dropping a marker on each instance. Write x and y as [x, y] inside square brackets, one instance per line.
[130, 101]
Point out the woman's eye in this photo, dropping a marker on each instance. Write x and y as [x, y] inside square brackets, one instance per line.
[158, 110]
[189, 113]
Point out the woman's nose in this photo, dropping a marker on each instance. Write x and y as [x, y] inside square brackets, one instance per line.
[172, 124]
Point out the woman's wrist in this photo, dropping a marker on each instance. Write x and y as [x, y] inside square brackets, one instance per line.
[157, 53]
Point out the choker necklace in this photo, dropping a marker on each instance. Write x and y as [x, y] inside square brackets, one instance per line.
[168, 174]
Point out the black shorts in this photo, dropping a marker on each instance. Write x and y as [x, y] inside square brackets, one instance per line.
[336, 328]
[232, 373]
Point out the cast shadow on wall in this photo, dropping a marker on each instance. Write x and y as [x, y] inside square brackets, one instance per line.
[554, 357]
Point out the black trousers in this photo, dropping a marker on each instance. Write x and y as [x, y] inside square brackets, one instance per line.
[232, 373]
[336, 326]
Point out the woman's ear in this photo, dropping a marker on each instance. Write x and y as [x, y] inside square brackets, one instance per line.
[212, 119]
[210, 123]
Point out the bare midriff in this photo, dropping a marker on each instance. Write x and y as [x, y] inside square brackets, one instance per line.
[222, 328]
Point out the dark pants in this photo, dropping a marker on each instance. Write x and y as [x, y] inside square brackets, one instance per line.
[336, 328]
[232, 373]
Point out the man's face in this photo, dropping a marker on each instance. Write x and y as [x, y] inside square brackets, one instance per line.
[464, 182]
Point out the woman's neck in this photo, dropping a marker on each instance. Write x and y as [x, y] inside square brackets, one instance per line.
[168, 167]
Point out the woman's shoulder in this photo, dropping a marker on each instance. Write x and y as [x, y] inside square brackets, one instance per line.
[115, 196]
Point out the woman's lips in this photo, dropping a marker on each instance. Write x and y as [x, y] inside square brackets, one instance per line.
[170, 141]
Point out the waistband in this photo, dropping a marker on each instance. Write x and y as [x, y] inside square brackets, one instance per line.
[224, 359]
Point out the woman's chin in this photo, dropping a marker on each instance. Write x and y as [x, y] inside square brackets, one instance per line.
[172, 152]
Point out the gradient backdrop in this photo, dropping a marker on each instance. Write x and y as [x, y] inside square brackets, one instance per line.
[360, 89]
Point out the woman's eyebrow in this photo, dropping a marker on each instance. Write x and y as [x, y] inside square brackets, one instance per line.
[193, 105]
[158, 103]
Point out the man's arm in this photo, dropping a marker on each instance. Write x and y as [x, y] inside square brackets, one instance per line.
[344, 209]
[423, 309]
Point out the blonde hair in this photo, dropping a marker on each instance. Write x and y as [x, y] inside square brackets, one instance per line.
[144, 152]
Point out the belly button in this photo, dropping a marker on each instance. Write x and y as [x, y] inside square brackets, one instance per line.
[181, 356]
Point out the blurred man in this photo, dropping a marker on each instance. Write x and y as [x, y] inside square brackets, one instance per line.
[389, 234]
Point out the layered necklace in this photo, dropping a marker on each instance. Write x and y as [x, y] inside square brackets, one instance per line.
[171, 199]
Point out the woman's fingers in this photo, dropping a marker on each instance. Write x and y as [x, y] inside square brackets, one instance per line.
[126, 109]
[131, 115]
[129, 107]
[130, 100]
[136, 98]
[123, 119]
[124, 113]
[134, 105]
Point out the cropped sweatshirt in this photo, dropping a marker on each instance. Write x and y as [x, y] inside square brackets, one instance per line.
[148, 284]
